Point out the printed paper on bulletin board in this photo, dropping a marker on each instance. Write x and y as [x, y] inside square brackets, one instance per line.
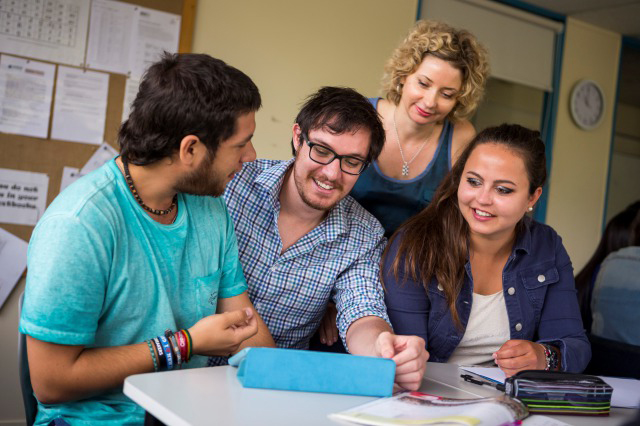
[52, 30]
[40, 153]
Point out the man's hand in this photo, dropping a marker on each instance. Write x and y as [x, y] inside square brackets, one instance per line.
[222, 334]
[409, 354]
[328, 329]
[516, 355]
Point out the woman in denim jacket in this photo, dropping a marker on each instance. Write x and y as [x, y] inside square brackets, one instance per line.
[479, 280]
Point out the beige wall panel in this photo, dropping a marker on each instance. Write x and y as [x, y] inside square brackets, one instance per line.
[507, 102]
[580, 158]
[290, 48]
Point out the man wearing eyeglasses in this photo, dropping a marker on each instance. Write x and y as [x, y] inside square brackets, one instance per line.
[303, 242]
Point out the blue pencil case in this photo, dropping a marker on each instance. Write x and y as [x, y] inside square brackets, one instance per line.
[308, 371]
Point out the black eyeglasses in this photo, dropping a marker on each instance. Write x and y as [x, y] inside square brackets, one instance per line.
[323, 155]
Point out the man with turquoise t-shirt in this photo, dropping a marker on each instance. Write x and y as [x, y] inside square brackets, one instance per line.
[134, 268]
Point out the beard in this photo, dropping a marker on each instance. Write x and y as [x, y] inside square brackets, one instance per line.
[324, 205]
[203, 181]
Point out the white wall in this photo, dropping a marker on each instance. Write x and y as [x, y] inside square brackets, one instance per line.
[291, 48]
[579, 169]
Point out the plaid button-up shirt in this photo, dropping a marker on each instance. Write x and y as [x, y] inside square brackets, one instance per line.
[338, 260]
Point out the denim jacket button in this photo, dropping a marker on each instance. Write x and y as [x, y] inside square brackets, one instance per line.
[511, 291]
[440, 287]
[518, 327]
[541, 278]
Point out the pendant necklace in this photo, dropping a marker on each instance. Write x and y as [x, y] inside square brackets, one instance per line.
[405, 163]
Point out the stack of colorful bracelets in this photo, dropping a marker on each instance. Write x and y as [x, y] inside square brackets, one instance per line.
[173, 349]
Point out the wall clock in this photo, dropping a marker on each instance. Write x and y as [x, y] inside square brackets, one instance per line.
[587, 104]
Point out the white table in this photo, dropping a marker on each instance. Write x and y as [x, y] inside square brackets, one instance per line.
[214, 396]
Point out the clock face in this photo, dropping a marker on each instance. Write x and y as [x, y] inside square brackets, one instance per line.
[587, 104]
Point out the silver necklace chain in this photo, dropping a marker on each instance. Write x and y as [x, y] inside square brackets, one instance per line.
[405, 163]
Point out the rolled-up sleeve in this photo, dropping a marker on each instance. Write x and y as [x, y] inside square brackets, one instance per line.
[358, 292]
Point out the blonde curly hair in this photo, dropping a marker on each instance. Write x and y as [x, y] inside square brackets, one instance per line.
[458, 47]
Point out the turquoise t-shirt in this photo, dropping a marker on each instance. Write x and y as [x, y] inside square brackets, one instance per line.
[102, 273]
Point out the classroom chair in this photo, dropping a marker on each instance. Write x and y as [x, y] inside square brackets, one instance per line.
[611, 358]
[29, 401]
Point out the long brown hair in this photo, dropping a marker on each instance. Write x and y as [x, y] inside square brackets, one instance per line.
[435, 242]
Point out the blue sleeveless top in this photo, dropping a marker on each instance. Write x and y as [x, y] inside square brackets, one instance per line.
[393, 201]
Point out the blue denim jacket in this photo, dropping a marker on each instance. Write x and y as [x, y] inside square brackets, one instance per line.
[539, 292]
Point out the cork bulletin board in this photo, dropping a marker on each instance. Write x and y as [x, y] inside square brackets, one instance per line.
[50, 156]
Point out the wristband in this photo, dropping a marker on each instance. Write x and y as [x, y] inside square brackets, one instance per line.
[176, 349]
[182, 344]
[167, 352]
[153, 355]
[162, 360]
[189, 343]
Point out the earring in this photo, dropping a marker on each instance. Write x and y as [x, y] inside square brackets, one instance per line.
[399, 88]
[530, 209]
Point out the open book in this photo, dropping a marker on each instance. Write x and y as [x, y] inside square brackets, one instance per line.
[417, 408]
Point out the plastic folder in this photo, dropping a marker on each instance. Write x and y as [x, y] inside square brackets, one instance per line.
[308, 371]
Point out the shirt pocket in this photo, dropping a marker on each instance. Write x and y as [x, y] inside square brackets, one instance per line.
[206, 291]
[536, 280]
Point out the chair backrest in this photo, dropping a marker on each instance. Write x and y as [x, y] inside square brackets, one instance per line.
[29, 401]
[611, 358]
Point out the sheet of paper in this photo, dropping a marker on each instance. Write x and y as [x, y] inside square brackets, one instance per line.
[80, 107]
[109, 34]
[491, 373]
[417, 408]
[26, 88]
[51, 30]
[69, 175]
[13, 260]
[104, 153]
[626, 392]
[154, 32]
[538, 420]
[23, 196]
[130, 92]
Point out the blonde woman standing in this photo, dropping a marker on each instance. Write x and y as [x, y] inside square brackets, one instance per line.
[433, 82]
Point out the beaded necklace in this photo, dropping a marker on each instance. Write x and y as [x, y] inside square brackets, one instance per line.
[127, 177]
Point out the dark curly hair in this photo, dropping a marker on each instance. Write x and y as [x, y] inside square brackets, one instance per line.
[185, 94]
[340, 110]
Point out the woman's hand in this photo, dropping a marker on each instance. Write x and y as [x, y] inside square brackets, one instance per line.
[517, 355]
[328, 329]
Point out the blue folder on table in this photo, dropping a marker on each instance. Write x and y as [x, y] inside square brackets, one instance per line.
[308, 371]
